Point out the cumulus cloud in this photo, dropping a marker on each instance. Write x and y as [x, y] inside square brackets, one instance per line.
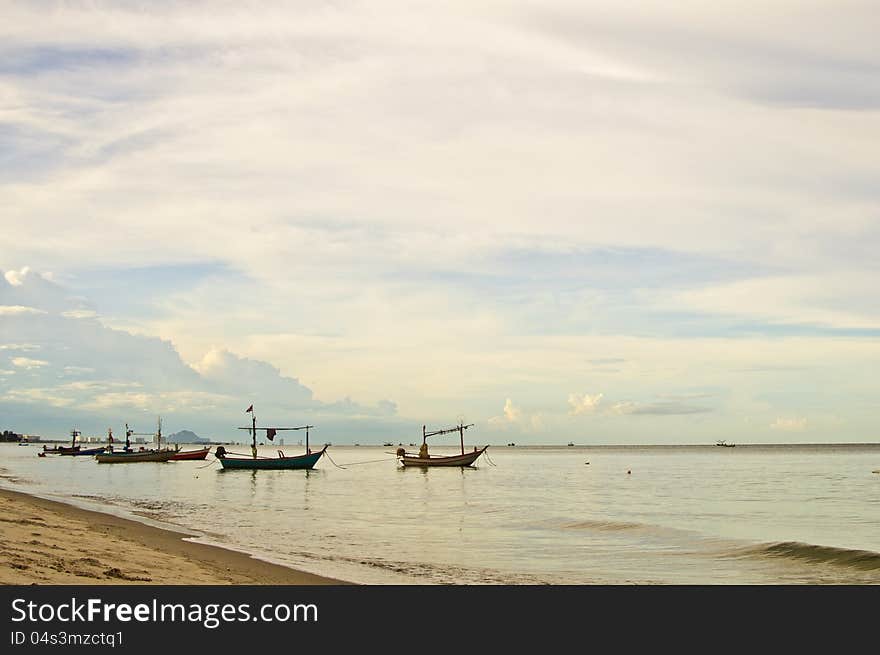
[585, 404]
[514, 418]
[102, 371]
[510, 414]
[16, 278]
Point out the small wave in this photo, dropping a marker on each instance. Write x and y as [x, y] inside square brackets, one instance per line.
[865, 560]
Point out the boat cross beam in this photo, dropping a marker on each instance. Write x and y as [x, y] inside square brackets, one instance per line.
[302, 427]
[448, 430]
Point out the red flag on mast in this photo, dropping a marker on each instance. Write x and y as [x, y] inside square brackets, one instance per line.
[249, 409]
[270, 433]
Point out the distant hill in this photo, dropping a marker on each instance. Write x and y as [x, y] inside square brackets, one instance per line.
[185, 436]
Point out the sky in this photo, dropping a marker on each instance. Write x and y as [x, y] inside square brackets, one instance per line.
[596, 222]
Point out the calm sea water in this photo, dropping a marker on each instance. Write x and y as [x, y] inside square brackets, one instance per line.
[539, 515]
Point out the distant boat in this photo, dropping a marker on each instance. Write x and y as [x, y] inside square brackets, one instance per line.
[387, 443]
[129, 456]
[570, 443]
[254, 462]
[723, 443]
[423, 459]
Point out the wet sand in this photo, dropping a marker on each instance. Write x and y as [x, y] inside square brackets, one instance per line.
[51, 543]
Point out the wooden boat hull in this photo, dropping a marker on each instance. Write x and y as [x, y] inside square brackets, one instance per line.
[61, 450]
[272, 463]
[445, 460]
[191, 454]
[89, 452]
[136, 456]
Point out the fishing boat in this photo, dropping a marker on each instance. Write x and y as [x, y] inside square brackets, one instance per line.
[201, 453]
[255, 461]
[128, 455]
[424, 459]
[57, 450]
[76, 450]
[88, 452]
[65, 450]
[722, 442]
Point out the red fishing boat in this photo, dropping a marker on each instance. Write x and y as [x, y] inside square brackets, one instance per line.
[191, 454]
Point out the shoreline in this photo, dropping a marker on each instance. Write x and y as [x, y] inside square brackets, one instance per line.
[54, 543]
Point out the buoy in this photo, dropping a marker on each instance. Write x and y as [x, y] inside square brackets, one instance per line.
[628, 472]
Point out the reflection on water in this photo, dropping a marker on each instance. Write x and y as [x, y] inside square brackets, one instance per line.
[683, 515]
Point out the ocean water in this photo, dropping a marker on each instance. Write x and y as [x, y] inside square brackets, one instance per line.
[793, 514]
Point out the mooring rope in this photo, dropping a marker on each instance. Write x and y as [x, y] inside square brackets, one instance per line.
[486, 455]
[211, 463]
[327, 455]
[369, 461]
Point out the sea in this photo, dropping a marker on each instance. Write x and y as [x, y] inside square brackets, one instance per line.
[523, 515]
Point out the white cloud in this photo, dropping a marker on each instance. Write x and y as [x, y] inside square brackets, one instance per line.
[15, 278]
[585, 404]
[829, 300]
[18, 310]
[37, 396]
[80, 313]
[429, 143]
[28, 363]
[510, 414]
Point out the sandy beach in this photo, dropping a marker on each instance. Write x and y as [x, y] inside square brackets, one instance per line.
[47, 542]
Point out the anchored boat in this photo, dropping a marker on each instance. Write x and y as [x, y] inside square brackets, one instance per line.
[201, 453]
[128, 455]
[255, 461]
[425, 459]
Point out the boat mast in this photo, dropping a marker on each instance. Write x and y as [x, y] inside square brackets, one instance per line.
[73, 434]
[128, 433]
[460, 428]
[254, 433]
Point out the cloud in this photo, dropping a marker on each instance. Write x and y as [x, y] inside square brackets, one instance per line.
[664, 408]
[80, 313]
[789, 424]
[445, 204]
[17, 310]
[28, 363]
[252, 380]
[585, 404]
[100, 372]
[16, 278]
[510, 414]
